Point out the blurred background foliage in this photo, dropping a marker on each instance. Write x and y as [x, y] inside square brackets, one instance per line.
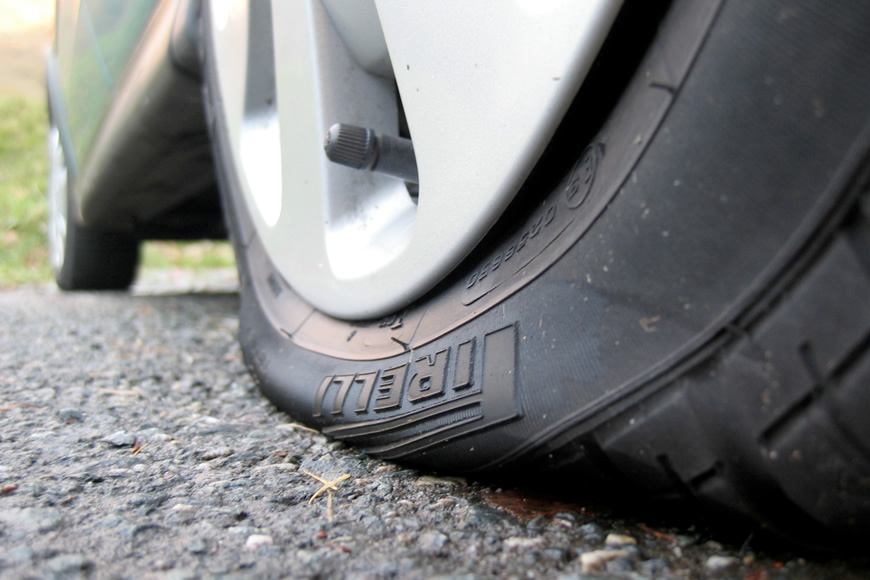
[23, 255]
[26, 29]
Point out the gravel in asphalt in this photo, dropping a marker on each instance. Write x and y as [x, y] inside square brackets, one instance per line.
[134, 444]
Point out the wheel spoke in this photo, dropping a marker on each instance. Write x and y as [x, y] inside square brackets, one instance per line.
[57, 200]
[483, 87]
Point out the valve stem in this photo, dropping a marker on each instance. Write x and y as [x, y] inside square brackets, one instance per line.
[362, 148]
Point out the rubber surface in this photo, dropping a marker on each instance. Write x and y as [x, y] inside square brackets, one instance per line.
[685, 310]
[95, 259]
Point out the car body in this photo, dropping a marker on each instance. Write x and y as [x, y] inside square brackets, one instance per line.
[125, 91]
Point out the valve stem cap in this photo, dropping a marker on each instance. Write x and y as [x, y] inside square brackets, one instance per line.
[351, 146]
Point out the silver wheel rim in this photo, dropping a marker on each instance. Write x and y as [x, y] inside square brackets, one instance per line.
[482, 95]
[57, 200]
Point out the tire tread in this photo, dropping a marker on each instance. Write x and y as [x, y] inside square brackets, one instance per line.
[791, 391]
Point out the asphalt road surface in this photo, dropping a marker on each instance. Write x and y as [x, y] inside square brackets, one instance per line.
[133, 444]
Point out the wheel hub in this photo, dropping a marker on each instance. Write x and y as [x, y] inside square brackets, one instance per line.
[482, 86]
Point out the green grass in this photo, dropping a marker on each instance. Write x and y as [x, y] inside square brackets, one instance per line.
[188, 255]
[23, 206]
[23, 171]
